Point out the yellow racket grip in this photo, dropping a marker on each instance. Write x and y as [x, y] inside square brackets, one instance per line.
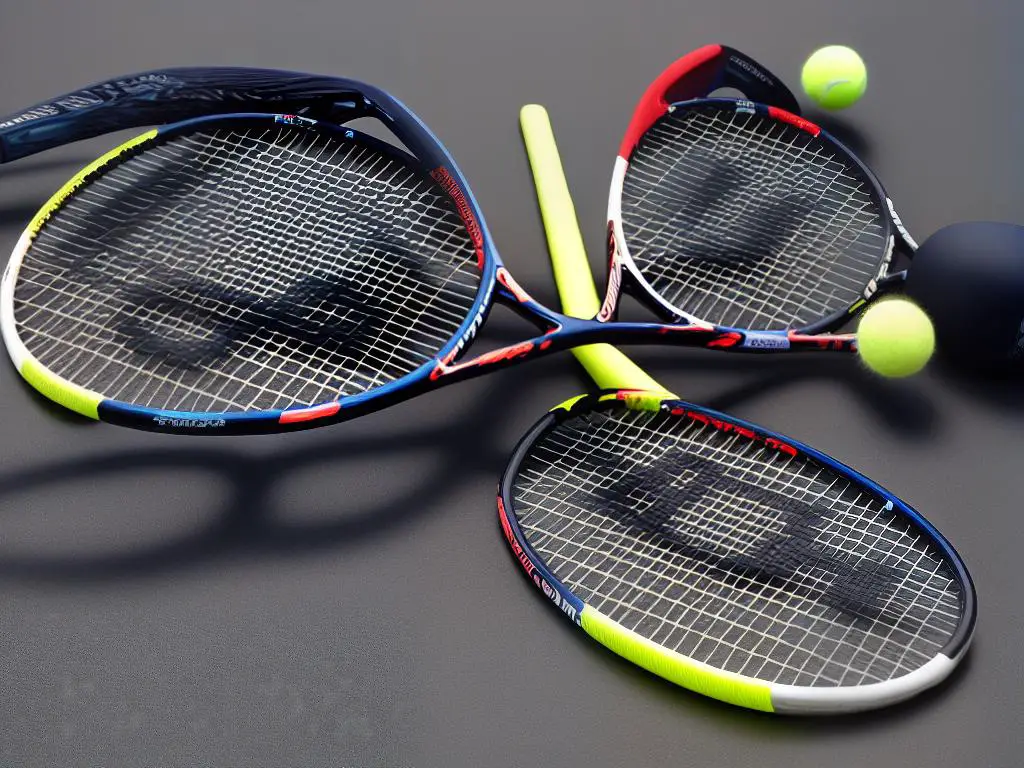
[607, 366]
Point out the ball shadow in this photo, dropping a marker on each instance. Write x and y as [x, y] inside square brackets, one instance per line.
[848, 134]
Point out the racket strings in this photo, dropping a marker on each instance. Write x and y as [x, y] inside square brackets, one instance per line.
[722, 549]
[246, 269]
[747, 221]
[784, 207]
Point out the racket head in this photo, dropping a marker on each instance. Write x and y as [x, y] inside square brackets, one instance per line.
[809, 591]
[282, 253]
[741, 214]
[697, 75]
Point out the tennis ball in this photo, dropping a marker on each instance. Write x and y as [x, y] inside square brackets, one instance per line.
[895, 338]
[834, 76]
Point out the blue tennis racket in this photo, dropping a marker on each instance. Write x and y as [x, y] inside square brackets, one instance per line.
[253, 265]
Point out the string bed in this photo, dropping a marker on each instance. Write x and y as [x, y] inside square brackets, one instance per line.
[734, 553]
[750, 222]
[249, 267]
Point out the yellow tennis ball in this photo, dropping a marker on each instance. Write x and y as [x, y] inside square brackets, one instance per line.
[834, 76]
[895, 338]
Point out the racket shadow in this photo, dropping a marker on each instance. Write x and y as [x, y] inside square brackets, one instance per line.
[898, 407]
[248, 524]
[1000, 391]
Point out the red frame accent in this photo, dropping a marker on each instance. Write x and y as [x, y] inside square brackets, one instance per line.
[296, 415]
[726, 340]
[517, 549]
[838, 341]
[653, 104]
[465, 210]
[799, 122]
[513, 287]
[612, 295]
[727, 426]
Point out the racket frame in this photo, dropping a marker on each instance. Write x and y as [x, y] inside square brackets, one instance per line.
[687, 84]
[183, 99]
[201, 96]
[702, 678]
[625, 383]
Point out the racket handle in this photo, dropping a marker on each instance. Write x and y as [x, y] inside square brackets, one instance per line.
[607, 366]
[565, 241]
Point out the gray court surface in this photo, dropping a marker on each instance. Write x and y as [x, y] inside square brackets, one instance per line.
[343, 597]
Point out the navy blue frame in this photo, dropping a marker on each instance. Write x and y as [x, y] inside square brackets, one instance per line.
[729, 68]
[177, 99]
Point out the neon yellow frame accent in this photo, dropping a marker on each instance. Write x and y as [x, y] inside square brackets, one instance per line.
[80, 178]
[568, 404]
[675, 667]
[71, 396]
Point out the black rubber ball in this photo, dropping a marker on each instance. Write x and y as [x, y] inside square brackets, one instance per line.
[969, 278]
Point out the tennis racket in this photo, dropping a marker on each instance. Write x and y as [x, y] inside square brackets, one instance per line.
[252, 265]
[744, 214]
[726, 558]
